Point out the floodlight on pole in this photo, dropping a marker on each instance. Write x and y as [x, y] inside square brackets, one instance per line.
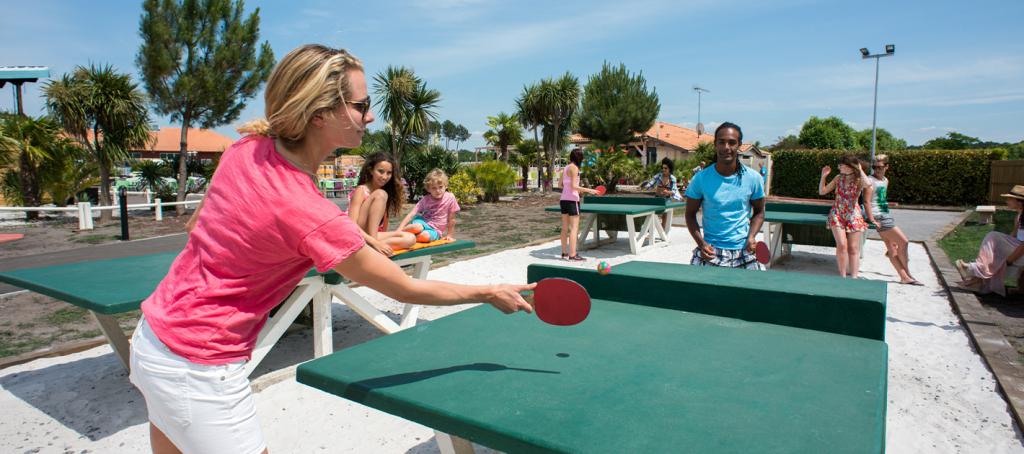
[890, 49]
[699, 90]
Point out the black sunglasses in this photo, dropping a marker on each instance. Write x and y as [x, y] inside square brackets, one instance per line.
[877, 166]
[363, 106]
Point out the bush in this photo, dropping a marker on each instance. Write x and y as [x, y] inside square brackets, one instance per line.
[464, 188]
[417, 163]
[705, 153]
[10, 187]
[611, 166]
[933, 177]
[494, 178]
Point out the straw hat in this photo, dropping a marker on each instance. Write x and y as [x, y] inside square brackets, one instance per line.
[1017, 192]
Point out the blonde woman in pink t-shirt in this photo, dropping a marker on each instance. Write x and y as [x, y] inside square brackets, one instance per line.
[433, 217]
[262, 226]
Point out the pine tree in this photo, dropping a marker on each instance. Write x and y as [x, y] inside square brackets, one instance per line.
[200, 64]
[616, 106]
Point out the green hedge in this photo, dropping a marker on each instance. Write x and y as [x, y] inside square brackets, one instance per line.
[931, 177]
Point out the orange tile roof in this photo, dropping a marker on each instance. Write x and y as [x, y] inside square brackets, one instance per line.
[668, 133]
[168, 140]
[677, 136]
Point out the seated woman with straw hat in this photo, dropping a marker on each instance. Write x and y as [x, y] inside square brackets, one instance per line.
[998, 250]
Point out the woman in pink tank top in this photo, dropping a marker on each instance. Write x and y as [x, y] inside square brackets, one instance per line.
[570, 205]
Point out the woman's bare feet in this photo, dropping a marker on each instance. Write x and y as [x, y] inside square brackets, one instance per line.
[963, 268]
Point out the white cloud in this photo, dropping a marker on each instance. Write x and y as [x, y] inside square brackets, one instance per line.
[492, 45]
[850, 76]
[934, 128]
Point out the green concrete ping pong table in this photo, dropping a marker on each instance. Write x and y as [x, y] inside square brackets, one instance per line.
[637, 216]
[114, 286]
[672, 358]
[786, 224]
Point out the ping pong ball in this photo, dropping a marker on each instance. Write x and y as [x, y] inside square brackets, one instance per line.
[604, 268]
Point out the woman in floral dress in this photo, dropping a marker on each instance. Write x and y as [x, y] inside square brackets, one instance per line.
[846, 220]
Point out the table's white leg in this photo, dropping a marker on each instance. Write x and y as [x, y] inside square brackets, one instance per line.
[366, 310]
[774, 241]
[323, 339]
[115, 336]
[276, 325]
[659, 230]
[634, 248]
[449, 444]
[410, 312]
[588, 225]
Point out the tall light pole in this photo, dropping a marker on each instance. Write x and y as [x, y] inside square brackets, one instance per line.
[865, 54]
[700, 126]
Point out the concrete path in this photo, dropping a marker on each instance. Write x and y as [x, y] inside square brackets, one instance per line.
[920, 225]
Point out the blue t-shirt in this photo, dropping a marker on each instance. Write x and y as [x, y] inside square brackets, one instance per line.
[726, 204]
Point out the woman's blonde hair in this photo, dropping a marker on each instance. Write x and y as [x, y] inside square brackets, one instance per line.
[310, 80]
[435, 176]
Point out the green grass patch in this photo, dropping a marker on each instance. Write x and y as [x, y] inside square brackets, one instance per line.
[963, 242]
[17, 347]
[66, 315]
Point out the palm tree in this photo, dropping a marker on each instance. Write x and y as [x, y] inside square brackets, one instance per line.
[28, 141]
[106, 112]
[393, 87]
[528, 108]
[420, 113]
[559, 100]
[505, 130]
[526, 156]
[68, 172]
[405, 104]
[152, 173]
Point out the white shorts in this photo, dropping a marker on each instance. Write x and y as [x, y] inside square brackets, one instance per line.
[201, 409]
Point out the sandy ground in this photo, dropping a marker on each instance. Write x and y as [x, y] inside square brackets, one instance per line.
[942, 398]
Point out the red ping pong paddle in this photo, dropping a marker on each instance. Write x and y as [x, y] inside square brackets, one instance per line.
[560, 301]
[762, 253]
[601, 190]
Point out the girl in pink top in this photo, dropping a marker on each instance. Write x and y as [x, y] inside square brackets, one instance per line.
[379, 195]
[433, 217]
[570, 205]
[262, 226]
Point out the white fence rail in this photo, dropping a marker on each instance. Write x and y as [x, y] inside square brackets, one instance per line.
[84, 210]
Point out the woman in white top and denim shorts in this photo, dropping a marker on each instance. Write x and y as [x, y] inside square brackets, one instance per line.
[896, 243]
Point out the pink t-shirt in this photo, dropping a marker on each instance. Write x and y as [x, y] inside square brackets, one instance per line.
[435, 211]
[263, 225]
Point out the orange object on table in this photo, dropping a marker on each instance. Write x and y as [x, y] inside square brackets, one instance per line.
[423, 245]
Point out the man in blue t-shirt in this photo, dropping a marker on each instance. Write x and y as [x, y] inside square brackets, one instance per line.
[732, 197]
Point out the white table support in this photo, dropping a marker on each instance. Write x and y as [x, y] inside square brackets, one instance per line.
[651, 233]
[772, 235]
[316, 291]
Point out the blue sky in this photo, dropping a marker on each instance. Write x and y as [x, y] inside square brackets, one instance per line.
[768, 64]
